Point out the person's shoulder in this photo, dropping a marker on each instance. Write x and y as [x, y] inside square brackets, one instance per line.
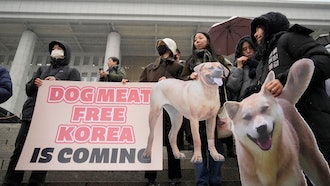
[149, 65]
[43, 68]
[296, 28]
[3, 69]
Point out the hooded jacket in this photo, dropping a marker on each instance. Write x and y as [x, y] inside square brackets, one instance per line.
[286, 45]
[166, 67]
[240, 78]
[59, 68]
[161, 67]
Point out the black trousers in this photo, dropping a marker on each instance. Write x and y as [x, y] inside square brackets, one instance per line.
[13, 177]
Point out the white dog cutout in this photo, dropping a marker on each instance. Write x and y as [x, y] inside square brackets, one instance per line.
[273, 142]
[197, 100]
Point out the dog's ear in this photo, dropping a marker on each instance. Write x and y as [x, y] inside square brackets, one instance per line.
[231, 108]
[198, 67]
[298, 80]
[270, 77]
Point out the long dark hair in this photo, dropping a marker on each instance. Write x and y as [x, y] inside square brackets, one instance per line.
[209, 45]
[192, 59]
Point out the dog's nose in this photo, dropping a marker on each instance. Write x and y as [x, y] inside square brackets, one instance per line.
[218, 71]
[262, 129]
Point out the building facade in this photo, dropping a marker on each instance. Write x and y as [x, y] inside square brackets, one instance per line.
[128, 29]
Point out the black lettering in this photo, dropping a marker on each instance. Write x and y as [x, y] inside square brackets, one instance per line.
[99, 157]
[62, 155]
[35, 155]
[125, 155]
[80, 155]
[46, 155]
[114, 155]
[141, 158]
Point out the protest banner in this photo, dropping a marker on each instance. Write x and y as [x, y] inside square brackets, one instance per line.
[91, 126]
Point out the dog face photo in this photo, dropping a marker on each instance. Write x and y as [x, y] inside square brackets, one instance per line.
[211, 73]
[257, 122]
[274, 144]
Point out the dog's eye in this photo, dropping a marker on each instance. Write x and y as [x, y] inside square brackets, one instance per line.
[211, 68]
[264, 109]
[247, 117]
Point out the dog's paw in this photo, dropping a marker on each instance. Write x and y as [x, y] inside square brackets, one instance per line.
[218, 157]
[146, 154]
[179, 155]
[196, 159]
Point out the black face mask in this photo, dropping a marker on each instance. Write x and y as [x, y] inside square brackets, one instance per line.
[161, 49]
[167, 61]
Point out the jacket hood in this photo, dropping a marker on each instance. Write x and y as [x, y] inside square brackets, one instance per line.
[67, 53]
[271, 22]
[239, 46]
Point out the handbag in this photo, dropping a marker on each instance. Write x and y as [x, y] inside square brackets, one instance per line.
[223, 122]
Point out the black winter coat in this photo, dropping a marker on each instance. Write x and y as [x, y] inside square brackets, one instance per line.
[314, 104]
[287, 45]
[59, 69]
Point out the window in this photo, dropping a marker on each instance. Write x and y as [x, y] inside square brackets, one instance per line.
[76, 61]
[39, 61]
[84, 76]
[95, 61]
[86, 60]
[94, 77]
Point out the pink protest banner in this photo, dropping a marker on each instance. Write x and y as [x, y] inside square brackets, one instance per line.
[91, 126]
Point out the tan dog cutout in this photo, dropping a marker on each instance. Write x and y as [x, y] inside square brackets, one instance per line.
[273, 142]
[197, 100]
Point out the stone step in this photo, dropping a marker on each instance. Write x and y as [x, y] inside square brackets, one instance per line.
[8, 133]
[119, 178]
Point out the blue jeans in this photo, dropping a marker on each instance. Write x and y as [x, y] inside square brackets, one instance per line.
[209, 171]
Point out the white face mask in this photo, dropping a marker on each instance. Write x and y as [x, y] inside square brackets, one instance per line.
[57, 54]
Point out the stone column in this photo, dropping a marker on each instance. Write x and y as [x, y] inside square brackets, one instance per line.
[112, 48]
[19, 72]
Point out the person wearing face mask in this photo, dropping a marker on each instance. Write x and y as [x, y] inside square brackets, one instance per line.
[60, 55]
[164, 67]
[209, 171]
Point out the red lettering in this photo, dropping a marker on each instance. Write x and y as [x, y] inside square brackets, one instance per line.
[64, 133]
[134, 96]
[95, 114]
[55, 94]
[105, 95]
[82, 134]
[121, 95]
[110, 134]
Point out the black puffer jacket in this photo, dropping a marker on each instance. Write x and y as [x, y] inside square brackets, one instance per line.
[284, 47]
[59, 68]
